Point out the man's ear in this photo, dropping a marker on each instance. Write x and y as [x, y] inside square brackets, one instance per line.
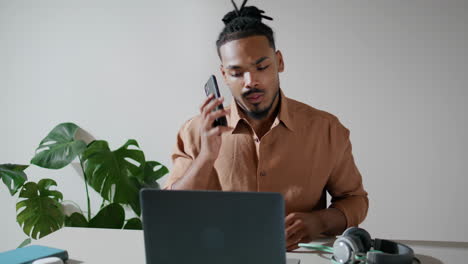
[223, 72]
[279, 61]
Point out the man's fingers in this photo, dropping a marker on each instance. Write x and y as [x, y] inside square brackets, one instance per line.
[211, 105]
[294, 246]
[295, 238]
[294, 228]
[290, 219]
[207, 100]
[210, 118]
[291, 248]
[295, 232]
[217, 131]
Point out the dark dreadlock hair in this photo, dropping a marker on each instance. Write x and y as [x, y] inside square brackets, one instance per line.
[242, 23]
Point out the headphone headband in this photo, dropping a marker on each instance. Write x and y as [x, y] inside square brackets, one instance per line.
[392, 253]
[353, 243]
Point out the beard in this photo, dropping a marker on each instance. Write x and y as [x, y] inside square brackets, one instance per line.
[259, 114]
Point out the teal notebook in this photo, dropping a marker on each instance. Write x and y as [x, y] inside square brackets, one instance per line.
[29, 254]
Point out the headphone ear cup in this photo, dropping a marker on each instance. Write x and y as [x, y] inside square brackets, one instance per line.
[344, 249]
[361, 235]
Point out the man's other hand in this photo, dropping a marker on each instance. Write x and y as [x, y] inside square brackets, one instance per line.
[302, 228]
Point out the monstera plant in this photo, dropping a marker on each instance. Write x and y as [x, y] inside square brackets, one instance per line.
[117, 175]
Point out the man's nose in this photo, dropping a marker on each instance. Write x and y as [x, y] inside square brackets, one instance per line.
[250, 80]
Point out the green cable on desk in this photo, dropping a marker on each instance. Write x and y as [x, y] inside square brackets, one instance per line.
[317, 247]
[330, 250]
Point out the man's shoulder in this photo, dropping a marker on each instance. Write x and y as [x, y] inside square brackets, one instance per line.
[192, 124]
[309, 118]
[304, 112]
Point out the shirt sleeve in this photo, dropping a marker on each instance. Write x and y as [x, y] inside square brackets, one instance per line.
[345, 182]
[182, 156]
[185, 151]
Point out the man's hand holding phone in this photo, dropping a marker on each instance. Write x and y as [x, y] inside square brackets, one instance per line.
[211, 135]
[213, 125]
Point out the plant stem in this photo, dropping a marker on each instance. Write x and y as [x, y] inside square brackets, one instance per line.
[86, 186]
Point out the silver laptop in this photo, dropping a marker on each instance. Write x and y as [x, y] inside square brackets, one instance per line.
[211, 227]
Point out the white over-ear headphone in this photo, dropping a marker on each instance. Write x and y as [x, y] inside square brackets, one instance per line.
[356, 245]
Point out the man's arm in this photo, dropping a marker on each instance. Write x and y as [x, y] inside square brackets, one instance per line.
[345, 184]
[349, 202]
[335, 221]
[193, 169]
[199, 176]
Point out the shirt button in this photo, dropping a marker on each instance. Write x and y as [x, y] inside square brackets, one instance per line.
[262, 173]
[257, 140]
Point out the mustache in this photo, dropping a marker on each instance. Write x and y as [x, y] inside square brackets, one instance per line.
[251, 91]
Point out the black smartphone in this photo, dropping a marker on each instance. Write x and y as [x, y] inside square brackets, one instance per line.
[211, 87]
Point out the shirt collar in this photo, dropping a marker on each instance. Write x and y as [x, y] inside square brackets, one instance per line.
[284, 114]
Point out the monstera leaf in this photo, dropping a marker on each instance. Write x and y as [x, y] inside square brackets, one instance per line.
[40, 214]
[59, 148]
[134, 223]
[116, 175]
[111, 216]
[26, 242]
[13, 176]
[153, 171]
[76, 220]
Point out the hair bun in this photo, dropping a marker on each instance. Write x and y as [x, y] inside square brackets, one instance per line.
[247, 12]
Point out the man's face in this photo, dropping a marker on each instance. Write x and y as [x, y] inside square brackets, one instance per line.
[250, 68]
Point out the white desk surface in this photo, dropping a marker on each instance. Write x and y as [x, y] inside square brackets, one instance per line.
[92, 245]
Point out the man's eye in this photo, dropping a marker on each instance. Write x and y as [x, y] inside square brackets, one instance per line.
[263, 68]
[236, 74]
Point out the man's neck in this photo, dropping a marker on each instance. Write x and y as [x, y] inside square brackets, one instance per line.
[262, 126]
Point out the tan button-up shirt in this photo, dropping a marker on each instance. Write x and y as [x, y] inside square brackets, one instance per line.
[306, 153]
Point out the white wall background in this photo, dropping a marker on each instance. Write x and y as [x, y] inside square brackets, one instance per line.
[394, 72]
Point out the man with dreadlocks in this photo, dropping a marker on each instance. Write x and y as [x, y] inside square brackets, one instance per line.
[272, 143]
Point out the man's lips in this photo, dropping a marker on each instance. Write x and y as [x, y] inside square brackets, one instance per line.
[255, 98]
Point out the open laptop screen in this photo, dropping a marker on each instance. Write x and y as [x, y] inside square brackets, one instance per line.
[213, 227]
